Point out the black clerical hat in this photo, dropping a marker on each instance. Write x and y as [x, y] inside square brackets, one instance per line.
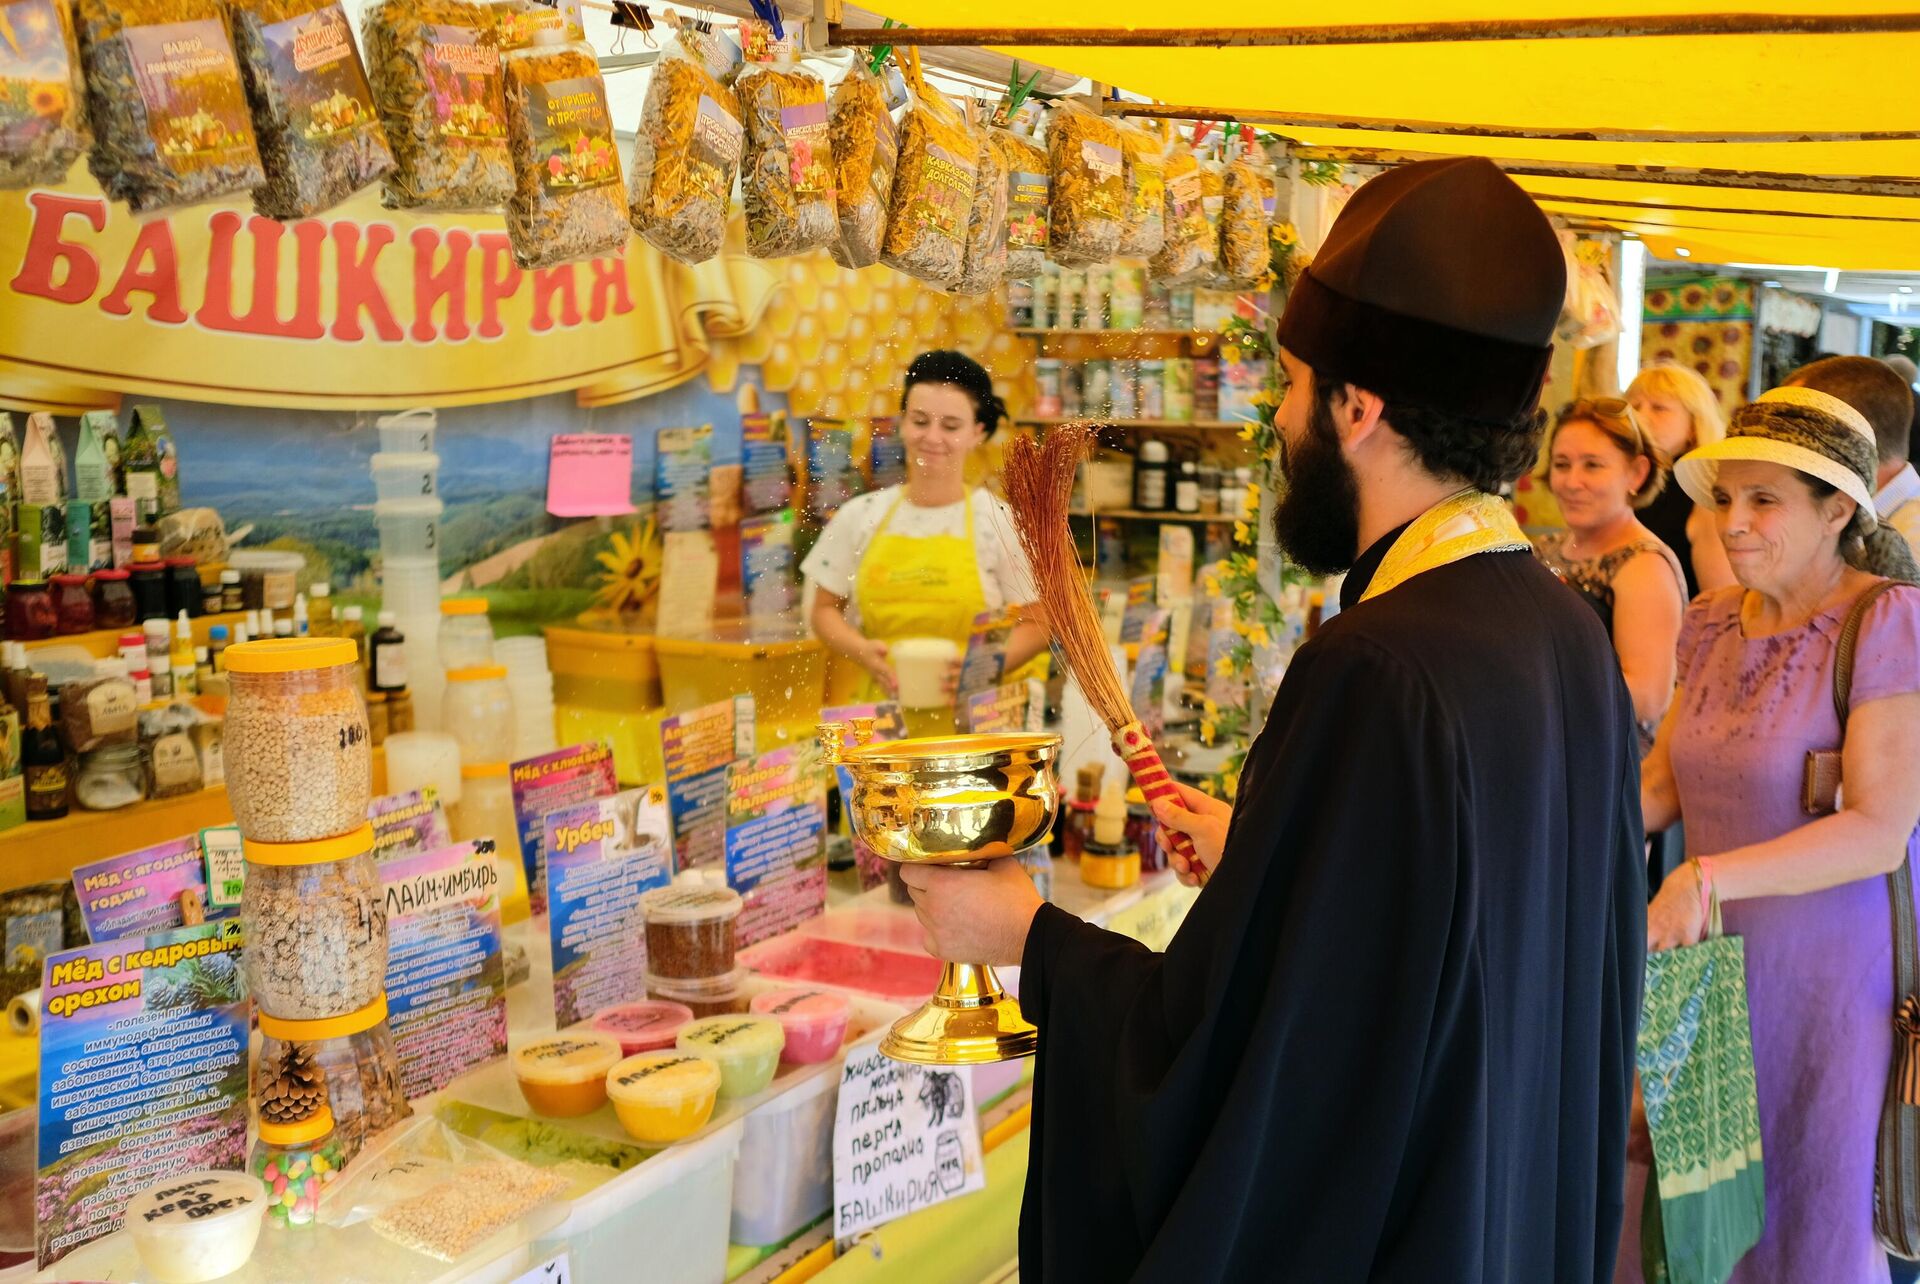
[1440, 285]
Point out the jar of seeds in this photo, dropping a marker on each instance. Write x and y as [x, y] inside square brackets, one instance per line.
[316, 924]
[298, 749]
[354, 1055]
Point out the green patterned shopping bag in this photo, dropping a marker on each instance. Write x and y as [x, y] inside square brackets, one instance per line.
[1706, 1198]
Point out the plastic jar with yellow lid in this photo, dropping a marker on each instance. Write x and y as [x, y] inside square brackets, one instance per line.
[299, 753]
[294, 1161]
[466, 634]
[355, 1052]
[477, 710]
[316, 923]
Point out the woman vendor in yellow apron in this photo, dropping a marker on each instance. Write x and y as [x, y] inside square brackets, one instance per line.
[904, 564]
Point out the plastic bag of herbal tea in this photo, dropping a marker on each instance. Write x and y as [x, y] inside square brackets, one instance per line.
[1143, 227]
[932, 186]
[1025, 163]
[786, 174]
[170, 119]
[514, 23]
[437, 82]
[1250, 189]
[1190, 249]
[687, 150]
[320, 137]
[568, 201]
[43, 96]
[866, 147]
[1088, 170]
[985, 262]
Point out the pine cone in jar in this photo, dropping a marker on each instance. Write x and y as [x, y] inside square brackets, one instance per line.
[296, 1088]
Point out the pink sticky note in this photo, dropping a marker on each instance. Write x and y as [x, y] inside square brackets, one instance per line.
[590, 475]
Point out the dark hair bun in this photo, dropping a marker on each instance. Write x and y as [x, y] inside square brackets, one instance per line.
[957, 369]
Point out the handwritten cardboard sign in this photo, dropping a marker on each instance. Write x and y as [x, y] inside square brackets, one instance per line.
[905, 1138]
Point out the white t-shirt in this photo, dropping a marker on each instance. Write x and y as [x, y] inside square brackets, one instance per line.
[835, 561]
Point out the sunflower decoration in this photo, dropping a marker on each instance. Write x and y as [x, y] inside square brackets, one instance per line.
[632, 577]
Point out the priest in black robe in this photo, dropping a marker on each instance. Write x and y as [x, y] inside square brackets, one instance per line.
[1393, 1039]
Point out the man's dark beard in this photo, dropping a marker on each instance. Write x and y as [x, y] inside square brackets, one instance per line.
[1317, 521]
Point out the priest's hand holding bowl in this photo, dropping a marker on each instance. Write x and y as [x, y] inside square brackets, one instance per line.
[974, 915]
[1203, 819]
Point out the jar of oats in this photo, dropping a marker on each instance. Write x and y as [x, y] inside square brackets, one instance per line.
[315, 917]
[298, 751]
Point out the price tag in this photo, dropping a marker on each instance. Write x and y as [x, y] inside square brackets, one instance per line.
[905, 1138]
[226, 866]
[555, 1270]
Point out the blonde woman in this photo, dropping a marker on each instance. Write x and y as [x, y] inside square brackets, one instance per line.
[1680, 413]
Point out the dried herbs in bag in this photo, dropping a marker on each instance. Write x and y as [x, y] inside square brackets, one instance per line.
[568, 202]
[1089, 186]
[932, 186]
[1191, 247]
[43, 96]
[1246, 218]
[436, 80]
[1143, 225]
[320, 138]
[985, 262]
[1025, 162]
[686, 152]
[865, 149]
[514, 23]
[170, 119]
[786, 174]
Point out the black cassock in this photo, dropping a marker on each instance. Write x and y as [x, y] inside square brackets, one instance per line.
[1394, 1038]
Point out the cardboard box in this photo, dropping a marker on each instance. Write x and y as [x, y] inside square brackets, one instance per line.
[123, 519]
[40, 547]
[90, 535]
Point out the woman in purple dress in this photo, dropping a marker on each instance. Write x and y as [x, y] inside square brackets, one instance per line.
[1792, 494]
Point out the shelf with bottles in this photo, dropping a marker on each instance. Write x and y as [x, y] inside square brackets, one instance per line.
[1116, 300]
[1154, 425]
[1146, 515]
[101, 643]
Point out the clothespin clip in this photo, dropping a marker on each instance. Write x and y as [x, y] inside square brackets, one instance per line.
[878, 55]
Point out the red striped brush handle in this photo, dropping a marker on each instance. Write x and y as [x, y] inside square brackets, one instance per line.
[1156, 782]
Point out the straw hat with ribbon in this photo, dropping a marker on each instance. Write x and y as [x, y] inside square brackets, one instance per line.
[1822, 436]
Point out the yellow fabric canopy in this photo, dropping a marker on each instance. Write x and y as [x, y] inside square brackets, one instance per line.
[1783, 111]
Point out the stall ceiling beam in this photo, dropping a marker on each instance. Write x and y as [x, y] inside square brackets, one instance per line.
[1682, 207]
[1515, 133]
[1841, 184]
[1396, 33]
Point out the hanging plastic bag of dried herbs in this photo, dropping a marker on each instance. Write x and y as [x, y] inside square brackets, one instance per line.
[1192, 246]
[932, 185]
[687, 150]
[1025, 162]
[170, 120]
[514, 22]
[985, 263]
[786, 176]
[865, 149]
[568, 202]
[436, 80]
[1246, 220]
[43, 96]
[320, 138]
[1144, 226]
[1089, 186]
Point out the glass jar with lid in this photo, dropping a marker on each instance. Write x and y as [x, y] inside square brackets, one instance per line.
[149, 581]
[183, 588]
[113, 606]
[30, 613]
[316, 922]
[299, 754]
[295, 1161]
[110, 778]
[72, 604]
[355, 1054]
[466, 634]
[477, 710]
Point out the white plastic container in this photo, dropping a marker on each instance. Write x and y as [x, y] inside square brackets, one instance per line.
[921, 665]
[418, 759]
[410, 528]
[784, 1180]
[466, 634]
[410, 431]
[410, 588]
[197, 1226]
[477, 710]
[405, 474]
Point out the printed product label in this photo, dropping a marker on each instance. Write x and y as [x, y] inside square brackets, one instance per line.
[1026, 210]
[110, 709]
[35, 76]
[463, 72]
[390, 662]
[1149, 189]
[808, 154]
[717, 138]
[570, 128]
[174, 762]
[143, 486]
[1184, 204]
[196, 108]
[31, 937]
[886, 144]
[313, 63]
[1109, 186]
[946, 195]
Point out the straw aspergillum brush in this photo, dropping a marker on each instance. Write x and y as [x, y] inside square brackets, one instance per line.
[1039, 482]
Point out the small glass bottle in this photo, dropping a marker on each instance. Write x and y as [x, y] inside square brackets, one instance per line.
[44, 758]
[232, 594]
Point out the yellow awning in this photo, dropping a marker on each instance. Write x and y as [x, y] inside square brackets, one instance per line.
[1801, 148]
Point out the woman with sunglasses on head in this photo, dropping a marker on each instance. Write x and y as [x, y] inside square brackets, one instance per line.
[1678, 411]
[1602, 469]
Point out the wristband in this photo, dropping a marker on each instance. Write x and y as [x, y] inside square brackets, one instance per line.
[1704, 872]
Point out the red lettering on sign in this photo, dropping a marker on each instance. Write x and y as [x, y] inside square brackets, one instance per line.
[549, 283]
[499, 278]
[611, 293]
[45, 249]
[160, 281]
[262, 316]
[358, 287]
[429, 286]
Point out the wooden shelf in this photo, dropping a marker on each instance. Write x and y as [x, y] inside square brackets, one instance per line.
[1142, 515]
[102, 643]
[1159, 425]
[1198, 336]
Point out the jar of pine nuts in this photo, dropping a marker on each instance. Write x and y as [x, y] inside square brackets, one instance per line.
[299, 755]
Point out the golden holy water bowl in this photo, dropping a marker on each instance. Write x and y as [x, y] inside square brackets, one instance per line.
[949, 800]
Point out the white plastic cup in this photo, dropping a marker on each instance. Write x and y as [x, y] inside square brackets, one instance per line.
[921, 666]
[417, 759]
[410, 431]
[405, 474]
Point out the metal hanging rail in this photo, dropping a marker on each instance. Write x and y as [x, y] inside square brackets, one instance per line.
[1394, 33]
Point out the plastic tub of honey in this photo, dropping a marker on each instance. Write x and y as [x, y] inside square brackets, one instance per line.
[1109, 868]
[663, 1097]
[647, 1026]
[814, 1022]
[565, 1075]
[197, 1226]
[745, 1048]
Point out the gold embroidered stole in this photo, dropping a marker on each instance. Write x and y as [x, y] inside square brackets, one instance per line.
[1455, 529]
